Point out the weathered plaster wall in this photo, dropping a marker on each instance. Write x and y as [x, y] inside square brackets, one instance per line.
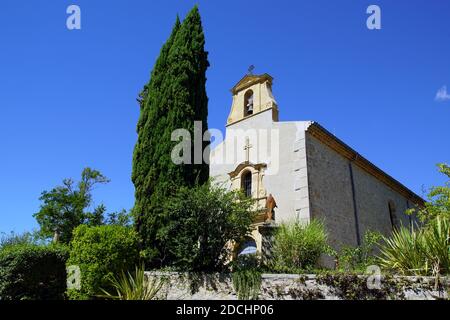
[289, 287]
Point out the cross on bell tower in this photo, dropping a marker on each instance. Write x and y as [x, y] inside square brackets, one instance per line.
[250, 70]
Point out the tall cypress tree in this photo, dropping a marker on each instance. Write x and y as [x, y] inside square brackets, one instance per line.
[153, 115]
[186, 84]
[174, 98]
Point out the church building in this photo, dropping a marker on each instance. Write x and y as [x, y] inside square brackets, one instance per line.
[303, 171]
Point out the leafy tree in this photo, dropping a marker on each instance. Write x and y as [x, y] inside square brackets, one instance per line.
[202, 223]
[121, 218]
[438, 204]
[174, 98]
[65, 207]
[12, 239]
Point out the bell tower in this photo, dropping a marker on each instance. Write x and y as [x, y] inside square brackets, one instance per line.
[252, 95]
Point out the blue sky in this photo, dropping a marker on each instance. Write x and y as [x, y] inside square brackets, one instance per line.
[67, 98]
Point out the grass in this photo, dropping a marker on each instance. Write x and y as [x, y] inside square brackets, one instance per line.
[298, 246]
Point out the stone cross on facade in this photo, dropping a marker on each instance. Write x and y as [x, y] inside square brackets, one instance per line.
[247, 148]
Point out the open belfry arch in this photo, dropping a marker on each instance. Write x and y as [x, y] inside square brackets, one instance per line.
[299, 171]
[252, 93]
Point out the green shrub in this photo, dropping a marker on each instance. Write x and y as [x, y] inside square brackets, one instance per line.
[201, 221]
[32, 272]
[101, 252]
[419, 252]
[359, 258]
[298, 246]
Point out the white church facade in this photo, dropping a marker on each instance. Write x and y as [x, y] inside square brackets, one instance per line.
[309, 172]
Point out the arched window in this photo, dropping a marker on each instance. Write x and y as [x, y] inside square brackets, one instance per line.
[246, 179]
[248, 247]
[248, 103]
[393, 216]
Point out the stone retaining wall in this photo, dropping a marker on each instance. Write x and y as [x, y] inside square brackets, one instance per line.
[183, 286]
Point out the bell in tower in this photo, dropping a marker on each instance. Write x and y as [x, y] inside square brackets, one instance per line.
[249, 103]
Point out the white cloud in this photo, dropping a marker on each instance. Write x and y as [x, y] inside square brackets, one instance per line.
[442, 95]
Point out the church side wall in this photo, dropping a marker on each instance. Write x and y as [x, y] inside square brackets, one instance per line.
[332, 196]
[373, 199]
[330, 192]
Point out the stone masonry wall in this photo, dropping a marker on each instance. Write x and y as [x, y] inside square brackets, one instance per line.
[332, 199]
[330, 192]
[181, 286]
